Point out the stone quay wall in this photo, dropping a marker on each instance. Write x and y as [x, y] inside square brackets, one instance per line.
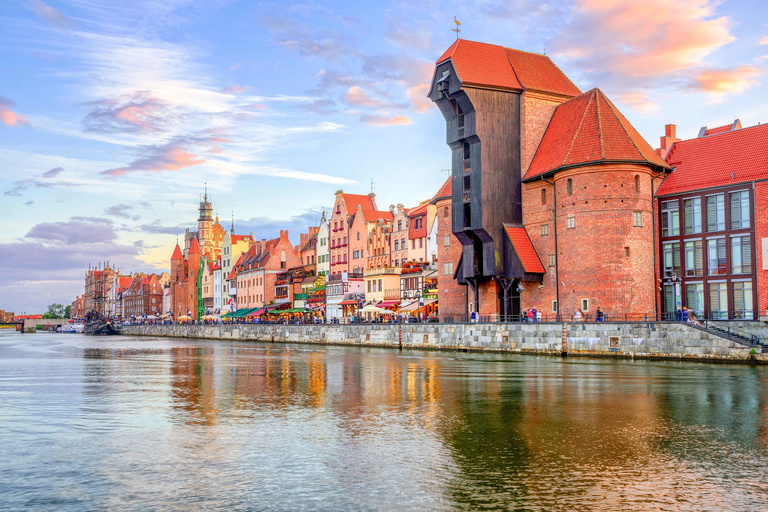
[649, 340]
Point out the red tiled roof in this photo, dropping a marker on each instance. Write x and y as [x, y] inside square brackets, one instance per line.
[239, 238]
[382, 214]
[177, 254]
[194, 247]
[718, 129]
[495, 66]
[724, 159]
[589, 129]
[351, 201]
[525, 250]
[445, 190]
[419, 210]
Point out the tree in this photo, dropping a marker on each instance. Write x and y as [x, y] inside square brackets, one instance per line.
[55, 311]
[66, 311]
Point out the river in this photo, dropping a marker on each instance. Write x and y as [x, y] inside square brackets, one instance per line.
[130, 423]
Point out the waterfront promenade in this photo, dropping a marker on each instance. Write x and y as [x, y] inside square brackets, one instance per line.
[651, 340]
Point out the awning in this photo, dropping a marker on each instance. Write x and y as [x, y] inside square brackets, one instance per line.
[524, 250]
[414, 306]
[255, 312]
[292, 310]
[348, 303]
[388, 303]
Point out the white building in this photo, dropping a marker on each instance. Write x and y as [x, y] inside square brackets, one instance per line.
[323, 252]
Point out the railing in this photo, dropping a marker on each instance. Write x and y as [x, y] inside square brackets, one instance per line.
[380, 271]
[281, 300]
[392, 293]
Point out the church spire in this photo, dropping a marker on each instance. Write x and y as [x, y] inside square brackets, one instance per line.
[233, 223]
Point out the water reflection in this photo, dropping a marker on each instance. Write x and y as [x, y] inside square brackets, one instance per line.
[146, 423]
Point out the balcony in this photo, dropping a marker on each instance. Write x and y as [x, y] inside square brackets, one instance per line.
[281, 300]
[381, 271]
[392, 293]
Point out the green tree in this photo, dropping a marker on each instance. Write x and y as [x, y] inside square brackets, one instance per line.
[66, 311]
[55, 311]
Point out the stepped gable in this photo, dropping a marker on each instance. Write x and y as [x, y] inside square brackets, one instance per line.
[177, 254]
[723, 159]
[588, 130]
[494, 66]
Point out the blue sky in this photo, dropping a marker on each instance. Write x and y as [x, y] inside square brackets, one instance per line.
[114, 114]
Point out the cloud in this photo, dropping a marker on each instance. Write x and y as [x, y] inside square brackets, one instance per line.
[234, 89]
[408, 36]
[324, 107]
[157, 228]
[308, 41]
[764, 40]
[418, 96]
[637, 39]
[267, 227]
[121, 210]
[136, 113]
[53, 172]
[377, 120]
[29, 203]
[357, 96]
[172, 156]
[640, 102]
[7, 116]
[717, 82]
[50, 15]
[76, 230]
[20, 186]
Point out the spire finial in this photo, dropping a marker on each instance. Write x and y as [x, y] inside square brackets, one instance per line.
[457, 27]
[233, 222]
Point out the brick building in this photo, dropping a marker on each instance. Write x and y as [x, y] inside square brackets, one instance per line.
[344, 208]
[144, 296]
[544, 174]
[452, 296]
[185, 281]
[712, 223]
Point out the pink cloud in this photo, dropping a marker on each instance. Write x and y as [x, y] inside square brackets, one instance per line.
[764, 40]
[359, 97]
[256, 106]
[642, 38]
[640, 102]
[234, 89]
[376, 120]
[139, 112]
[8, 117]
[168, 157]
[717, 82]
[418, 97]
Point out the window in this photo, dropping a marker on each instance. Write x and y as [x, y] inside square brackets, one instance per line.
[467, 182]
[355, 254]
[694, 258]
[544, 229]
[413, 243]
[446, 213]
[716, 263]
[358, 235]
[715, 213]
[569, 186]
[446, 240]
[740, 209]
[552, 260]
[637, 183]
[670, 218]
[718, 301]
[585, 304]
[397, 245]
[543, 196]
[741, 255]
[570, 222]
[637, 219]
[742, 299]
[335, 225]
[448, 268]
[467, 215]
[694, 298]
[345, 240]
[381, 289]
[400, 225]
[626, 252]
[402, 244]
[672, 258]
[341, 224]
[554, 306]
[369, 286]
[421, 243]
[397, 263]
[692, 215]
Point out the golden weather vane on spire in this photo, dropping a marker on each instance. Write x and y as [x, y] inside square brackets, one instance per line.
[457, 27]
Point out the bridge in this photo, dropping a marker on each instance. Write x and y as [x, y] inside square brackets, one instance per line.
[28, 325]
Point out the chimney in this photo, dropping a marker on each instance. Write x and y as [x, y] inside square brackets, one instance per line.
[669, 138]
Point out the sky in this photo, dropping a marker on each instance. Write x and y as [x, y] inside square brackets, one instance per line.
[115, 115]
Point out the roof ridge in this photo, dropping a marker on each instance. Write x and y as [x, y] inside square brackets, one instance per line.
[600, 131]
[611, 108]
[576, 133]
[517, 77]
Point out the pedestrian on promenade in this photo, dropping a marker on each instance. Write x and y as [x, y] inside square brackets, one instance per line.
[685, 314]
[529, 315]
[533, 314]
[577, 315]
[599, 316]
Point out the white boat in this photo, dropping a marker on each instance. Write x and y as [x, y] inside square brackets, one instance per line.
[72, 328]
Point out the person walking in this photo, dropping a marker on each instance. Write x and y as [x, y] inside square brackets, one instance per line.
[577, 315]
[533, 314]
[599, 316]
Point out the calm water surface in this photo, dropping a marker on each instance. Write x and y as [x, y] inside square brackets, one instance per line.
[128, 423]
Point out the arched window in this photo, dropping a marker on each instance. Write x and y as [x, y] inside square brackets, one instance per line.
[543, 196]
[637, 183]
[569, 186]
[282, 259]
[445, 212]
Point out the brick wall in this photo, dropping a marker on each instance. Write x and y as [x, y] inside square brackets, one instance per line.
[489, 298]
[536, 110]
[536, 215]
[592, 261]
[761, 233]
[452, 296]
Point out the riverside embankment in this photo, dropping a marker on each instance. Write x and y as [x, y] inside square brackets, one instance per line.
[656, 340]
